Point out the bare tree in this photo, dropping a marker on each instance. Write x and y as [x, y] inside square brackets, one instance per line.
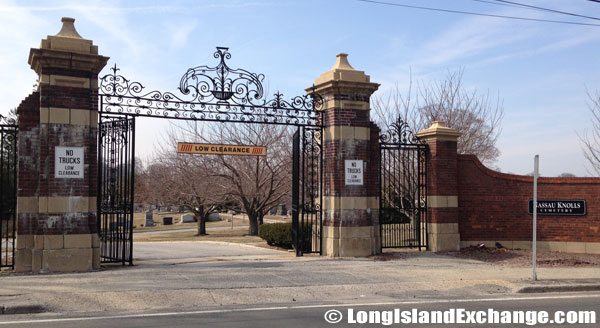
[256, 183]
[249, 184]
[590, 140]
[477, 116]
[184, 179]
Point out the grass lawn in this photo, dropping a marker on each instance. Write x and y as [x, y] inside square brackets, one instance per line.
[229, 235]
[139, 218]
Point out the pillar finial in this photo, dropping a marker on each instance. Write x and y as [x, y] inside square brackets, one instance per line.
[342, 62]
[68, 29]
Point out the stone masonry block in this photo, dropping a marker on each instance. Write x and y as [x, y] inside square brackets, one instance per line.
[352, 247]
[95, 240]
[44, 115]
[27, 205]
[444, 242]
[592, 248]
[80, 116]
[59, 115]
[96, 258]
[38, 241]
[36, 262]
[53, 241]
[24, 241]
[575, 247]
[23, 260]
[78, 241]
[67, 260]
[442, 228]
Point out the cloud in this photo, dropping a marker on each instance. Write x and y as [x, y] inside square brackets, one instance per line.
[180, 33]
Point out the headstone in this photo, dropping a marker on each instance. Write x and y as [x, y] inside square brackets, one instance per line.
[281, 209]
[214, 217]
[187, 218]
[167, 220]
[149, 219]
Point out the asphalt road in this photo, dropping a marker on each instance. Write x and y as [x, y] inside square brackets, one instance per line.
[289, 315]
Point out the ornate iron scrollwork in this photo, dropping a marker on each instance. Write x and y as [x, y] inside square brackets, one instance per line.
[226, 85]
[5, 120]
[399, 132]
[217, 93]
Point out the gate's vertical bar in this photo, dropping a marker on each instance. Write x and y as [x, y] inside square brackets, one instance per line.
[380, 200]
[424, 153]
[3, 204]
[132, 186]
[418, 204]
[13, 193]
[295, 191]
[322, 139]
[122, 182]
[99, 186]
[302, 208]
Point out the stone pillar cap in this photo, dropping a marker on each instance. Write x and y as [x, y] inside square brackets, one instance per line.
[68, 39]
[343, 71]
[439, 131]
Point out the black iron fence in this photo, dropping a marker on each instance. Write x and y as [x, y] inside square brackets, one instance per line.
[116, 163]
[8, 190]
[403, 189]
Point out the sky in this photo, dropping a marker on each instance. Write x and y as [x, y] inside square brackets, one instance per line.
[541, 71]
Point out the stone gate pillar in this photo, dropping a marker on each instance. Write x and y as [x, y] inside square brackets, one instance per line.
[350, 147]
[56, 204]
[442, 187]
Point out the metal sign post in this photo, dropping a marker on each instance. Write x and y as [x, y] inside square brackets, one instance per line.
[535, 178]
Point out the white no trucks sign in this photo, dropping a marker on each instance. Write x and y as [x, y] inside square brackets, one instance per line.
[354, 172]
[68, 162]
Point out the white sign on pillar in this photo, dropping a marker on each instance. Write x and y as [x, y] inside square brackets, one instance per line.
[354, 172]
[68, 162]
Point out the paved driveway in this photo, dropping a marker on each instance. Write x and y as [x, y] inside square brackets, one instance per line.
[181, 252]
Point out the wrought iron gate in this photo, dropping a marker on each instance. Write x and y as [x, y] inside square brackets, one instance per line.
[403, 188]
[116, 164]
[211, 94]
[8, 190]
[307, 191]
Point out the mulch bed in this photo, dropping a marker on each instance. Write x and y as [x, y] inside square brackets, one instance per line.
[514, 257]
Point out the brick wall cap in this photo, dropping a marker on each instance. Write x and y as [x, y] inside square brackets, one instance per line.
[439, 131]
[525, 178]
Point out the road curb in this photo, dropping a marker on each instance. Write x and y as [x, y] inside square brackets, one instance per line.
[22, 309]
[558, 289]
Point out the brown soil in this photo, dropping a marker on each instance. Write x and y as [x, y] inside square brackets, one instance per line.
[522, 258]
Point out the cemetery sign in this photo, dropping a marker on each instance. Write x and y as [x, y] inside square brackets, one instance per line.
[558, 207]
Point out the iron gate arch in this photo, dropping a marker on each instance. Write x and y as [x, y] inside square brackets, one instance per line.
[402, 188]
[8, 190]
[214, 94]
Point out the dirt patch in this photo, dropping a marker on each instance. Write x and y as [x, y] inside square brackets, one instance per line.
[523, 258]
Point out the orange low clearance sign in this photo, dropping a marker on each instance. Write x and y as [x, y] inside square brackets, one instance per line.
[196, 148]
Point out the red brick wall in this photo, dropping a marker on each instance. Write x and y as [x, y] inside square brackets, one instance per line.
[494, 206]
